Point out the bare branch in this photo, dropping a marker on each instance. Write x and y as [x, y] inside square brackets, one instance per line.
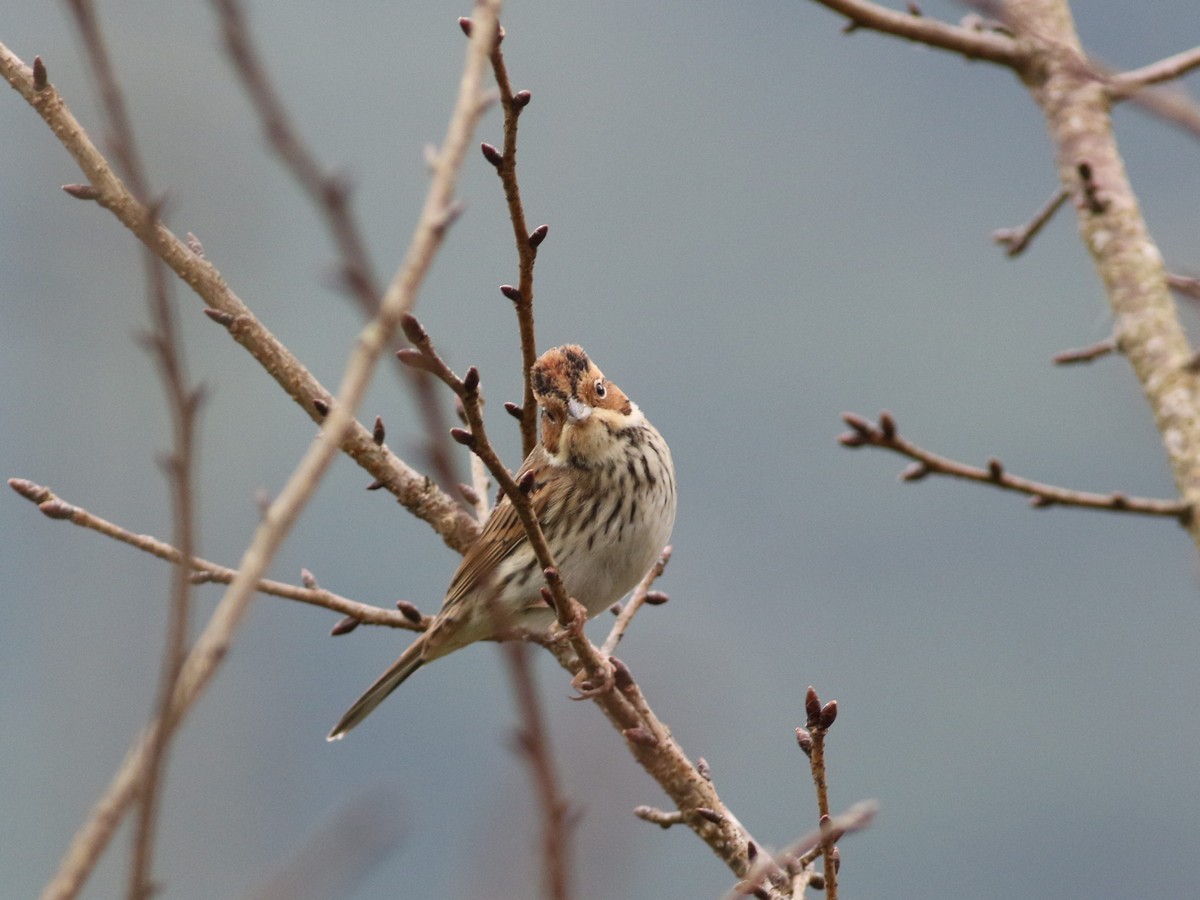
[634, 603]
[204, 571]
[1183, 284]
[1015, 240]
[1086, 354]
[991, 46]
[1126, 83]
[884, 435]
[527, 242]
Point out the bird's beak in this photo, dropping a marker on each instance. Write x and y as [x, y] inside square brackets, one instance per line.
[577, 410]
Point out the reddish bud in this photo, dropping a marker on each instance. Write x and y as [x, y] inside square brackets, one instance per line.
[194, 245]
[703, 769]
[514, 410]
[511, 293]
[412, 328]
[656, 598]
[463, 436]
[345, 626]
[29, 490]
[57, 509]
[221, 317]
[710, 814]
[858, 423]
[640, 736]
[465, 24]
[1040, 502]
[622, 677]
[40, 79]
[1118, 500]
[526, 484]
[751, 850]
[307, 579]
[828, 714]
[81, 191]
[804, 739]
[415, 358]
[491, 154]
[914, 10]
[851, 439]
[378, 433]
[408, 610]
[538, 235]
[375, 485]
[471, 380]
[321, 407]
[887, 425]
[995, 469]
[812, 706]
[468, 493]
[915, 472]
[521, 100]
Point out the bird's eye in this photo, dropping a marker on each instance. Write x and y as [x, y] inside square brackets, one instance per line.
[549, 416]
[601, 390]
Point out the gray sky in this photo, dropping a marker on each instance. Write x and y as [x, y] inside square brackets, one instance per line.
[756, 223]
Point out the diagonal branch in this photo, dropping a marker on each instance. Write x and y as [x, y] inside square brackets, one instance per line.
[991, 46]
[1126, 83]
[203, 571]
[885, 435]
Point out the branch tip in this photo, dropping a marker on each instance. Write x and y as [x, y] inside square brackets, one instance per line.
[32, 492]
[378, 433]
[491, 154]
[81, 191]
[512, 293]
[521, 100]
[538, 235]
[409, 611]
[462, 436]
[40, 79]
[345, 626]
[219, 316]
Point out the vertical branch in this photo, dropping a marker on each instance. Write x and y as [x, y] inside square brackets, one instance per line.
[527, 242]
[534, 745]
[183, 403]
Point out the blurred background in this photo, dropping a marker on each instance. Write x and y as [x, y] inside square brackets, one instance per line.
[756, 223]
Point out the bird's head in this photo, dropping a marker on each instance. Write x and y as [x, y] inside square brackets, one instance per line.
[582, 411]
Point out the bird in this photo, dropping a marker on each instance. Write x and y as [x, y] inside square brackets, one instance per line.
[603, 490]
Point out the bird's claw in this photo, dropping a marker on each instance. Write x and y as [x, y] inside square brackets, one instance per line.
[587, 688]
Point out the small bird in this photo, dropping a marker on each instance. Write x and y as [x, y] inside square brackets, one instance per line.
[604, 493]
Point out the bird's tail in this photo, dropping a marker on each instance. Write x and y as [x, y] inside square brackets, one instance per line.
[410, 660]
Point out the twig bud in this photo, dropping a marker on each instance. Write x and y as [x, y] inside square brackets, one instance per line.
[1040, 502]
[219, 316]
[491, 154]
[511, 293]
[514, 410]
[828, 714]
[378, 433]
[521, 100]
[640, 736]
[995, 469]
[703, 768]
[29, 490]
[57, 509]
[887, 425]
[307, 579]
[525, 485]
[915, 472]
[416, 359]
[812, 707]
[471, 381]
[345, 626]
[412, 328]
[465, 24]
[408, 610]
[321, 406]
[852, 439]
[804, 739]
[463, 436]
[81, 191]
[656, 598]
[468, 493]
[538, 235]
[194, 245]
[710, 814]
[622, 677]
[40, 79]
[376, 485]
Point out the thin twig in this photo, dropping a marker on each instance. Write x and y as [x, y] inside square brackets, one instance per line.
[634, 603]
[819, 719]
[658, 816]
[527, 242]
[1172, 67]
[203, 570]
[419, 495]
[885, 435]
[1014, 240]
[973, 44]
[534, 743]
[330, 196]
[1086, 354]
[213, 643]
[1186, 285]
